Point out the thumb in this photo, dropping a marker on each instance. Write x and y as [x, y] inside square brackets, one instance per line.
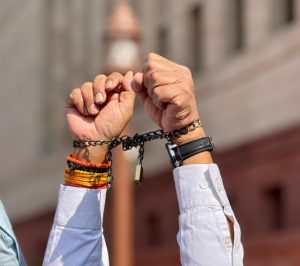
[137, 83]
[128, 95]
[138, 86]
[127, 81]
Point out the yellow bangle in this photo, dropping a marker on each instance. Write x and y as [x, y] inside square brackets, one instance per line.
[86, 179]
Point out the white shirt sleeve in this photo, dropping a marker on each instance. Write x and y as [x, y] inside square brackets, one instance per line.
[204, 237]
[76, 237]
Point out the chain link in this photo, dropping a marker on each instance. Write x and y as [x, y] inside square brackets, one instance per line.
[137, 140]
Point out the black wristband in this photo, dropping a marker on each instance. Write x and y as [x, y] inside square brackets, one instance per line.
[182, 152]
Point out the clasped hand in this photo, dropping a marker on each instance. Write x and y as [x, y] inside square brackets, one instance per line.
[100, 110]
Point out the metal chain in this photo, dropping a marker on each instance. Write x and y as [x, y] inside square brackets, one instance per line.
[137, 140]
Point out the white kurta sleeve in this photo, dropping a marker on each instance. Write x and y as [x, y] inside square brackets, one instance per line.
[76, 237]
[204, 237]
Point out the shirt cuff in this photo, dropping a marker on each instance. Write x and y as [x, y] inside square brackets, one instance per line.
[199, 185]
[80, 207]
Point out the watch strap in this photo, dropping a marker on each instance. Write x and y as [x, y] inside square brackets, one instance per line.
[179, 153]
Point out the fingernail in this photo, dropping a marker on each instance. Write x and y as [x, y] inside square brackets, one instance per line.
[99, 97]
[109, 84]
[94, 109]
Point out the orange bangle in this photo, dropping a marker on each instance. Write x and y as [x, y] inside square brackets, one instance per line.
[87, 164]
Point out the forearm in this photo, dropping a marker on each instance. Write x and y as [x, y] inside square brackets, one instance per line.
[77, 237]
[199, 158]
[10, 252]
[203, 205]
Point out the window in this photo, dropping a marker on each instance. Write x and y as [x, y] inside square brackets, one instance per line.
[154, 229]
[238, 43]
[274, 200]
[284, 13]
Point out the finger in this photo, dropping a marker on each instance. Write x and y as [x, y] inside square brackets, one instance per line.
[88, 98]
[138, 87]
[127, 82]
[166, 94]
[75, 99]
[99, 89]
[161, 78]
[113, 81]
[128, 95]
[137, 82]
[151, 65]
[159, 104]
[157, 57]
[155, 61]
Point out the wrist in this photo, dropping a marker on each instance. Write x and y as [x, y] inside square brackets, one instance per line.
[202, 157]
[91, 154]
[192, 135]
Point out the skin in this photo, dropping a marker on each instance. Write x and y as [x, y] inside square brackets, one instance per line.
[167, 92]
[100, 110]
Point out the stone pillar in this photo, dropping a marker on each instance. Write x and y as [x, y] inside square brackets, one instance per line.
[122, 219]
[259, 21]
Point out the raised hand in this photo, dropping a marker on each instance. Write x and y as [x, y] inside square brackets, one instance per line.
[100, 110]
[167, 92]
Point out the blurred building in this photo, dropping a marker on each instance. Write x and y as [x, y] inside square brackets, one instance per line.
[245, 57]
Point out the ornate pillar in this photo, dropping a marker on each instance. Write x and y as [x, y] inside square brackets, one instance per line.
[122, 55]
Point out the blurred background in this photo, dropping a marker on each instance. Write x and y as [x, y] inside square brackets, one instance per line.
[245, 58]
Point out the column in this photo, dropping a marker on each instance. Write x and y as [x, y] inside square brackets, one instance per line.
[122, 218]
[259, 21]
[218, 31]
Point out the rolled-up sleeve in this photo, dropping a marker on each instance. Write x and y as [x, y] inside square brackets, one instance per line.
[204, 236]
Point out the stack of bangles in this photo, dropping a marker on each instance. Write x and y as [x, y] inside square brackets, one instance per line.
[87, 175]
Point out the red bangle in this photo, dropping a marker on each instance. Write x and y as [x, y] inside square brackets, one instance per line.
[87, 164]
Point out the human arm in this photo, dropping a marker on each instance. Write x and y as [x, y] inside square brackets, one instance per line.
[76, 236]
[206, 220]
[10, 252]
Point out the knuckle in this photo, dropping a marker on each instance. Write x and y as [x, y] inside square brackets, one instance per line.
[74, 93]
[157, 94]
[151, 65]
[178, 101]
[87, 85]
[186, 70]
[99, 77]
[155, 75]
[116, 74]
[151, 56]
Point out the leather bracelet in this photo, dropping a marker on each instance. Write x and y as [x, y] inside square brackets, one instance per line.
[179, 153]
